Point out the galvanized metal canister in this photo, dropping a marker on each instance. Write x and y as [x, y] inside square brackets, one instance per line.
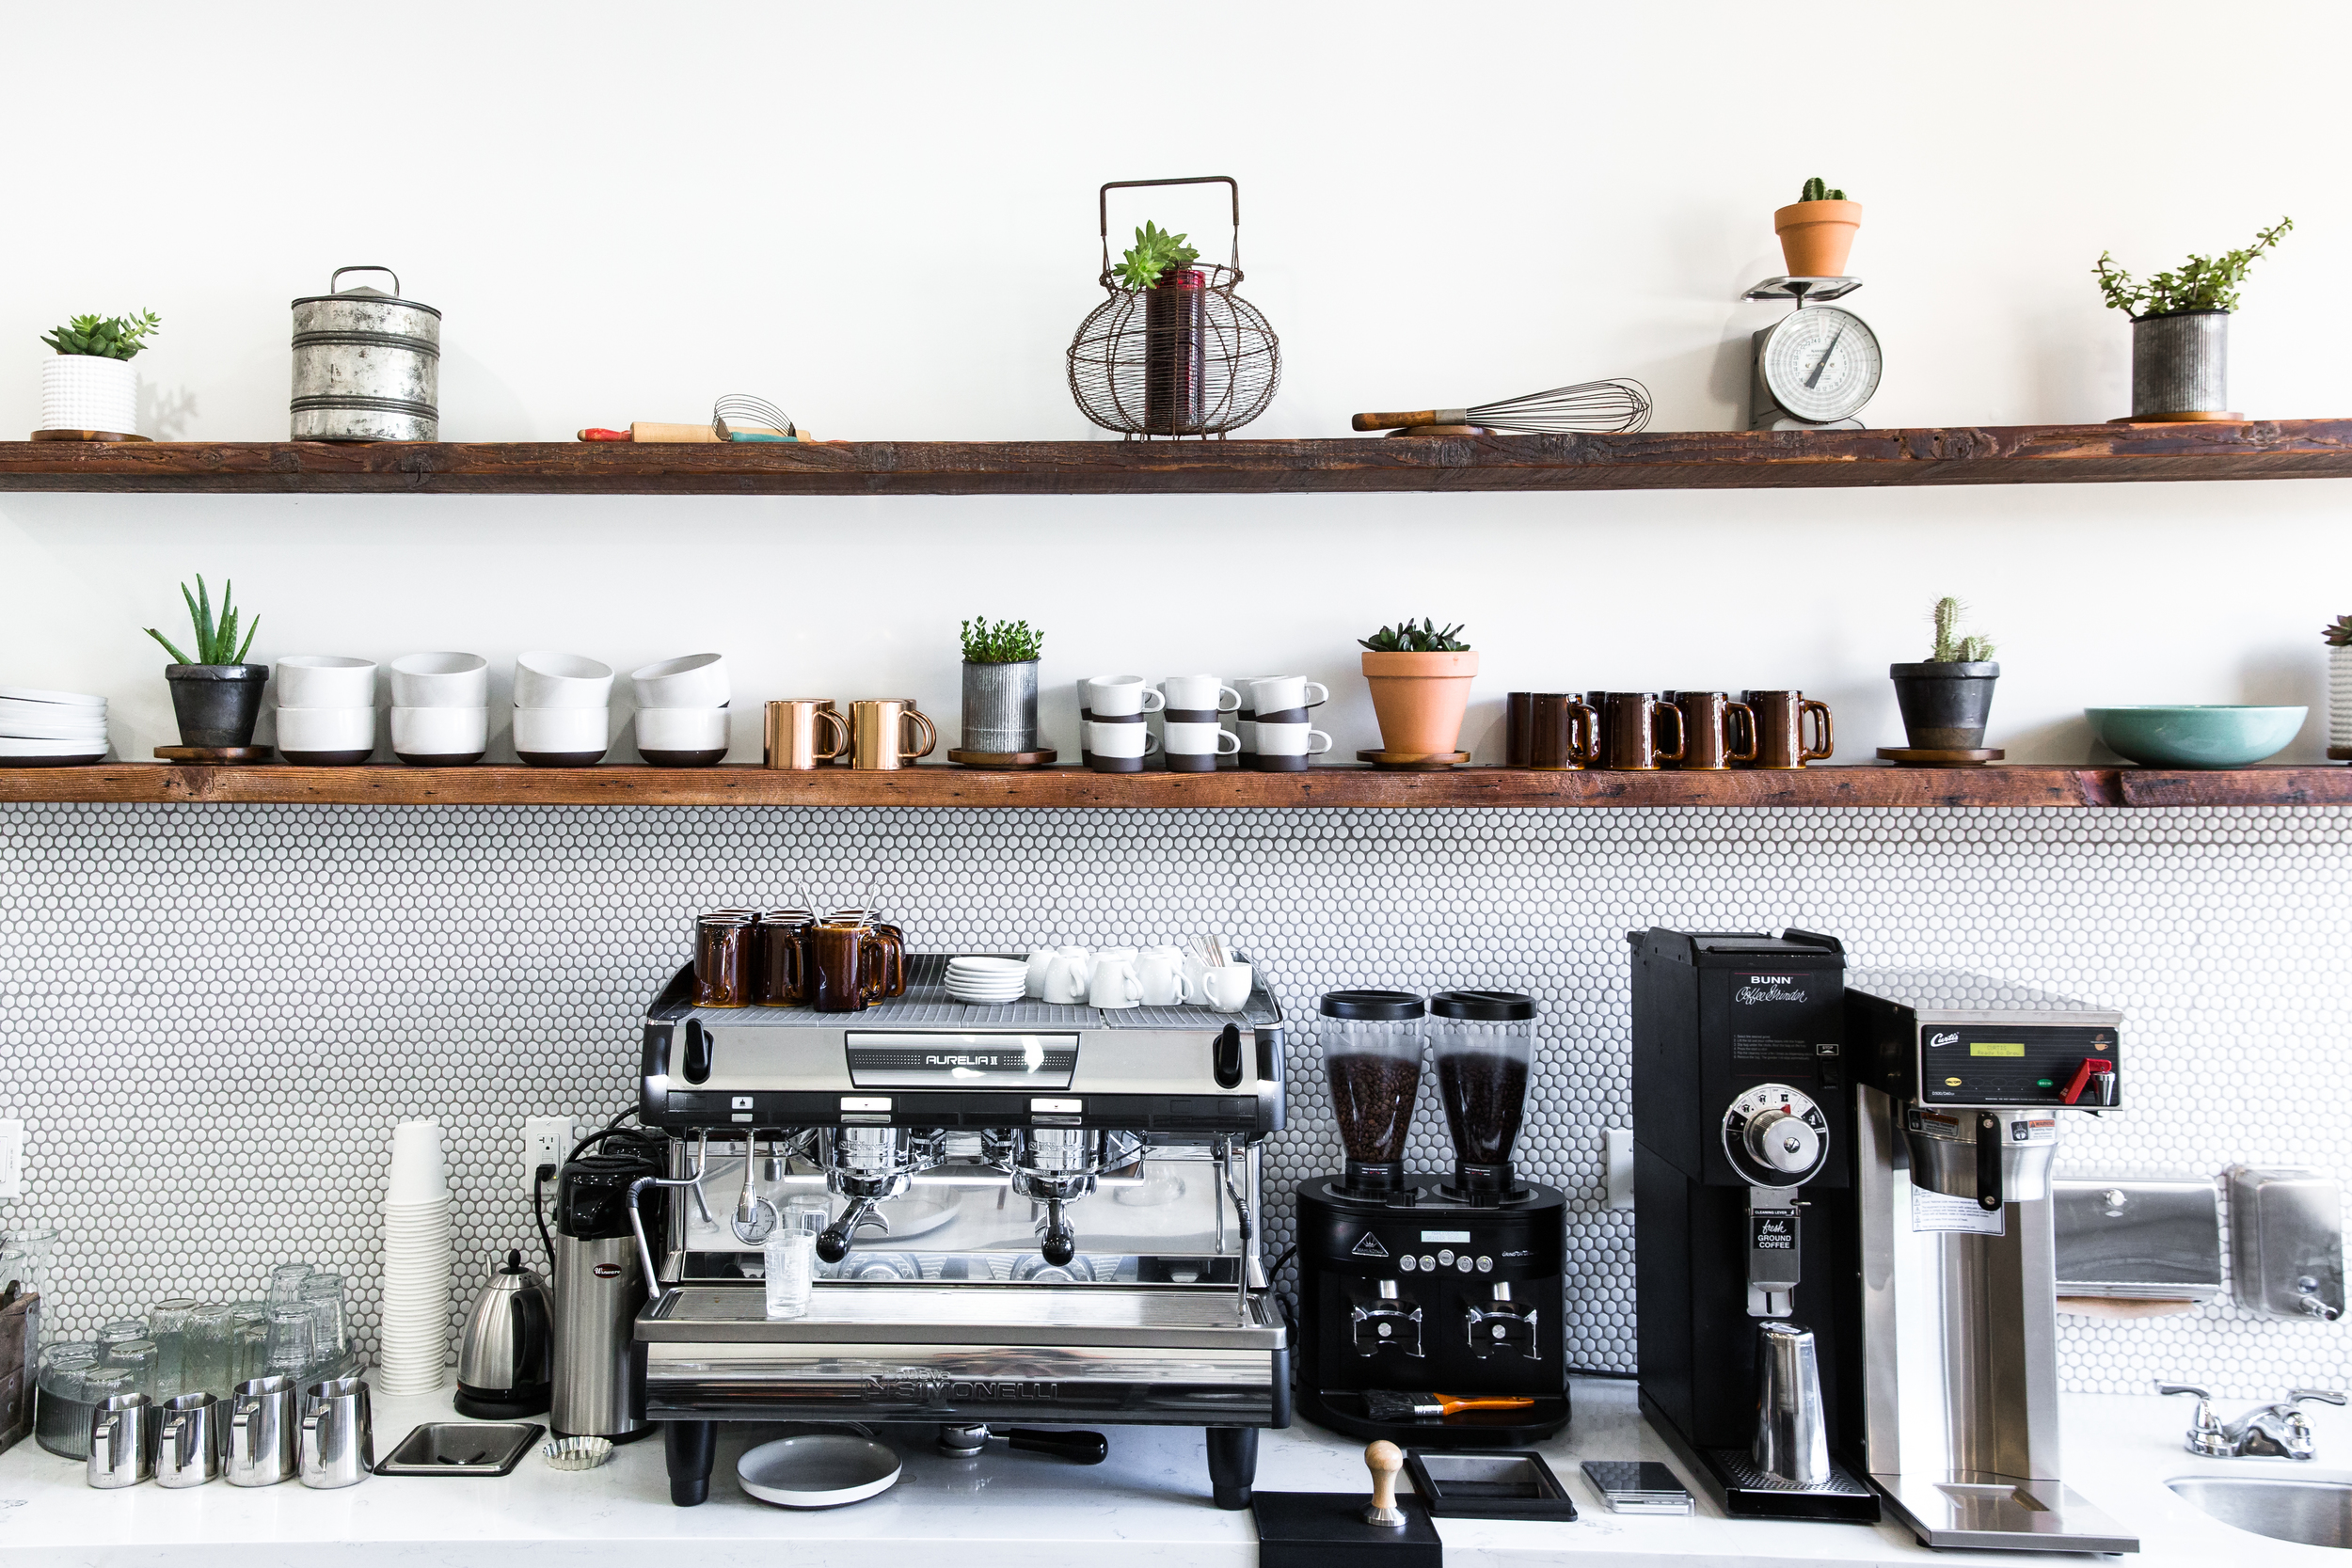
[2180, 363]
[367, 365]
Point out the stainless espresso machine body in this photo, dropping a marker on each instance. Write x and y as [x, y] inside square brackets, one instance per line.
[1962, 1085]
[1038, 1212]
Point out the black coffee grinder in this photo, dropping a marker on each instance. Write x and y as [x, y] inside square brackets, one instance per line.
[1418, 1286]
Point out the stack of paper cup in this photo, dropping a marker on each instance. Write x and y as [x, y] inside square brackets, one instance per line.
[413, 1353]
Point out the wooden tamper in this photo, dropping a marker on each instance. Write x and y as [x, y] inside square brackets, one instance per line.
[1384, 1459]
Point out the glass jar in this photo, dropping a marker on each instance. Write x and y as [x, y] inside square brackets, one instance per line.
[1484, 1042]
[1372, 1045]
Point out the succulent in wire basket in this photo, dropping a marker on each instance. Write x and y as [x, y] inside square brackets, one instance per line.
[1156, 251]
[215, 640]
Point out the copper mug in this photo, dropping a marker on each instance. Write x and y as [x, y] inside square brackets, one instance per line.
[878, 733]
[850, 965]
[1563, 732]
[1632, 719]
[798, 727]
[1780, 738]
[1713, 727]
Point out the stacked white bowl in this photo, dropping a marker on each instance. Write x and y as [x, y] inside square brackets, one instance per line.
[562, 709]
[325, 709]
[413, 1340]
[440, 709]
[50, 729]
[987, 982]
[682, 711]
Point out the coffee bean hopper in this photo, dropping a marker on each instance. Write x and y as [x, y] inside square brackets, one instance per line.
[1423, 1284]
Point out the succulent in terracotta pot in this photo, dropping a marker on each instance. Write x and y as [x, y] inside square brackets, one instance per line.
[215, 695]
[1816, 230]
[1421, 679]
[1947, 698]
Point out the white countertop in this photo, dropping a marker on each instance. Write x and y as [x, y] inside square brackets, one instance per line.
[1146, 1505]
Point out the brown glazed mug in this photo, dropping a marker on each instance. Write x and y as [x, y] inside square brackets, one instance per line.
[780, 974]
[798, 729]
[724, 959]
[1563, 733]
[848, 966]
[1714, 728]
[1780, 740]
[1519, 713]
[878, 733]
[1632, 721]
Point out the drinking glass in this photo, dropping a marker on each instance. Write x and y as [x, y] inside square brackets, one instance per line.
[61, 1416]
[285, 1283]
[167, 1325]
[323, 1296]
[137, 1358]
[122, 1331]
[289, 1344]
[204, 1358]
[249, 1340]
[791, 1257]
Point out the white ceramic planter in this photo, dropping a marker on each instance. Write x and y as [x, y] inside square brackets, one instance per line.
[83, 391]
[2339, 697]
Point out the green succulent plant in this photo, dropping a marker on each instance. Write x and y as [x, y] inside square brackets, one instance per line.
[104, 336]
[1006, 643]
[216, 640]
[1816, 191]
[2339, 635]
[1952, 649]
[1407, 638]
[2203, 282]
[1156, 252]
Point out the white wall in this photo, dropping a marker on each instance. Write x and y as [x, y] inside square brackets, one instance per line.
[882, 217]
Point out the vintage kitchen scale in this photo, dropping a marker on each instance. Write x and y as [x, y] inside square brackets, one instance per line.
[1817, 367]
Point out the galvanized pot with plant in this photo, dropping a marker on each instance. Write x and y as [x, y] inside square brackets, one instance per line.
[2180, 329]
[215, 695]
[1000, 686]
[1947, 698]
[1421, 679]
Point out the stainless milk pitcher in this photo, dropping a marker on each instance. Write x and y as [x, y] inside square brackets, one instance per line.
[122, 1442]
[189, 1451]
[1791, 1427]
[367, 365]
[338, 1433]
[262, 1431]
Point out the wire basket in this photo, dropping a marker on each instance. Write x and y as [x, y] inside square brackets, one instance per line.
[1187, 356]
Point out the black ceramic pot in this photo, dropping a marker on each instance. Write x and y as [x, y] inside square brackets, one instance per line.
[1944, 706]
[216, 703]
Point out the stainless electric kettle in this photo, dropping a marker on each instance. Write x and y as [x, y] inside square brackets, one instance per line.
[504, 1360]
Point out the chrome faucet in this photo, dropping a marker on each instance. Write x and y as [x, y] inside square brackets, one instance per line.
[2276, 1431]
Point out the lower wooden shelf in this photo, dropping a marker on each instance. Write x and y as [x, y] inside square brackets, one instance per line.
[939, 786]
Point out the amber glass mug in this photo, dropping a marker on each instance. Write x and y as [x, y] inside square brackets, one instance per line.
[1780, 726]
[852, 965]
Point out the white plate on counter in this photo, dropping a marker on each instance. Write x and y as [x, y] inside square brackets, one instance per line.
[823, 1470]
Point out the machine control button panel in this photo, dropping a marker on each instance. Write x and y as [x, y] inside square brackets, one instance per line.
[1774, 1136]
[1992, 1063]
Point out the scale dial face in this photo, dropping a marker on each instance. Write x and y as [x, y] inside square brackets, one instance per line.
[1821, 363]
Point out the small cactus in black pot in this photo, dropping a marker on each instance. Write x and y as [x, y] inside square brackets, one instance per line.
[1947, 697]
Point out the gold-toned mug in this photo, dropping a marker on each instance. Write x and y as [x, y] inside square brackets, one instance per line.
[878, 732]
[797, 726]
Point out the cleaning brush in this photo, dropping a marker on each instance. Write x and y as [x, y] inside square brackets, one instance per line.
[1597, 406]
[1384, 1404]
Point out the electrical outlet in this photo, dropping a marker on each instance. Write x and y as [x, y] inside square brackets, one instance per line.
[11, 1160]
[546, 1141]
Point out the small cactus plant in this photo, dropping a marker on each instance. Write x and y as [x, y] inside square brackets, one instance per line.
[1952, 649]
[216, 640]
[2339, 635]
[1407, 638]
[1816, 191]
[104, 336]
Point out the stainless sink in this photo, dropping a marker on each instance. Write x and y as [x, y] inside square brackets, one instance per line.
[2315, 1512]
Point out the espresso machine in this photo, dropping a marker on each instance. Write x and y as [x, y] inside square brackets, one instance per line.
[1411, 1285]
[1744, 1145]
[1040, 1212]
[1963, 1084]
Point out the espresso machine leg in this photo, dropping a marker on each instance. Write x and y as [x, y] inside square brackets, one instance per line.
[688, 1446]
[1232, 1464]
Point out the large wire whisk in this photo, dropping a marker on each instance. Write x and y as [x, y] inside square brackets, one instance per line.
[1591, 408]
[742, 414]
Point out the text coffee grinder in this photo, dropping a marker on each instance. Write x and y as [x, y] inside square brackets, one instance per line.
[1744, 1217]
[1422, 1285]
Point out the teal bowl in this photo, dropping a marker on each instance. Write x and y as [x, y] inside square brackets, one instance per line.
[2188, 737]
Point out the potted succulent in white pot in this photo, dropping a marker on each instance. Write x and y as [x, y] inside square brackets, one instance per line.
[1000, 686]
[215, 695]
[1946, 699]
[91, 388]
[1421, 679]
[2180, 329]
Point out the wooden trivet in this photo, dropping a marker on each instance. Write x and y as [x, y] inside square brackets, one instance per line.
[1929, 756]
[2182, 419]
[219, 755]
[2340, 753]
[1002, 759]
[86, 436]
[1412, 762]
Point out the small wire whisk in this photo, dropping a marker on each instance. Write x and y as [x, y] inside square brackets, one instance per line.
[742, 414]
[1591, 408]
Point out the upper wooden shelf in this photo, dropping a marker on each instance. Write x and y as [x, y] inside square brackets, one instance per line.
[1649, 460]
[940, 786]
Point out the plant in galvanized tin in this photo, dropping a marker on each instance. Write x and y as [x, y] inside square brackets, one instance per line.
[1950, 647]
[104, 336]
[1407, 638]
[2339, 635]
[1156, 252]
[1816, 191]
[2202, 282]
[1005, 642]
[215, 640]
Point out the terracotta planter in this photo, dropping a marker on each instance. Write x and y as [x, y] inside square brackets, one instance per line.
[1421, 699]
[1816, 237]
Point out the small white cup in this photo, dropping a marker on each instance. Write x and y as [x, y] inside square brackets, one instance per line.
[696, 680]
[1225, 987]
[681, 729]
[548, 680]
[1291, 740]
[419, 1171]
[1122, 740]
[307, 731]
[441, 732]
[325, 680]
[1041, 965]
[1200, 695]
[1118, 696]
[568, 731]
[1068, 976]
[1160, 972]
[1114, 983]
[1189, 738]
[440, 680]
[1282, 694]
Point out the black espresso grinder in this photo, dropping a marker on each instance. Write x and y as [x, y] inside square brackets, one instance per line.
[1415, 1292]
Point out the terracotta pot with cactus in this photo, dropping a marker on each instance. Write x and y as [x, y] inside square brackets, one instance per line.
[1816, 230]
[1421, 679]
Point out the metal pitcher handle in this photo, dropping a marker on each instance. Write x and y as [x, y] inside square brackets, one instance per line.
[318, 1426]
[107, 1430]
[179, 1434]
[244, 1431]
[395, 276]
[1103, 210]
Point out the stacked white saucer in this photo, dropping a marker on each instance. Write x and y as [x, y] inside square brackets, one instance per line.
[50, 729]
[987, 982]
[419, 1259]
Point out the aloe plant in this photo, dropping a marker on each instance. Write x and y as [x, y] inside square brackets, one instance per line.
[1407, 638]
[1952, 649]
[216, 640]
[1816, 191]
[104, 336]
[1006, 643]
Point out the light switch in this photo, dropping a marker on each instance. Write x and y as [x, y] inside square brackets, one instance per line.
[1620, 1177]
[11, 1160]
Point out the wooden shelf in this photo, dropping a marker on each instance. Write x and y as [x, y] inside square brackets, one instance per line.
[1662, 460]
[935, 785]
